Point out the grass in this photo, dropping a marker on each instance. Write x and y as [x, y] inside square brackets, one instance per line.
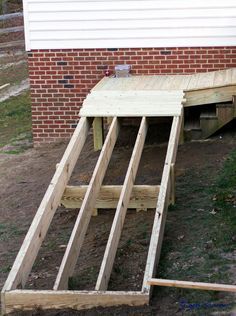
[14, 74]
[9, 231]
[15, 121]
[200, 247]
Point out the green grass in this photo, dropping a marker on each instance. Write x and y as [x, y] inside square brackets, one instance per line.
[200, 233]
[15, 120]
[9, 231]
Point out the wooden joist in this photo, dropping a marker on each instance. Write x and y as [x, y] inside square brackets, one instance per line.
[142, 196]
[41, 222]
[31, 299]
[193, 285]
[77, 237]
[162, 205]
[117, 225]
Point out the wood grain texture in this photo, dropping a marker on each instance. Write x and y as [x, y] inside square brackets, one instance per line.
[30, 300]
[142, 196]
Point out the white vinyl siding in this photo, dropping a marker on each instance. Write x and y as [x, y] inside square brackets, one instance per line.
[57, 24]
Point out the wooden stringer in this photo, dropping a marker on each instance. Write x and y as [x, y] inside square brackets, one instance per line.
[94, 196]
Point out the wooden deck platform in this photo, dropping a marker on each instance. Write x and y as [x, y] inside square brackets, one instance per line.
[201, 88]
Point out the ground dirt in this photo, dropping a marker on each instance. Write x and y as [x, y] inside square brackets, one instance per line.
[188, 241]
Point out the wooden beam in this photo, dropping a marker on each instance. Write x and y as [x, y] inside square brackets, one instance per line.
[4, 86]
[142, 196]
[98, 133]
[30, 300]
[41, 222]
[162, 205]
[211, 95]
[114, 237]
[193, 285]
[77, 237]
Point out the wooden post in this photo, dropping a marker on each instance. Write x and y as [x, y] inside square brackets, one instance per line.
[98, 133]
[172, 176]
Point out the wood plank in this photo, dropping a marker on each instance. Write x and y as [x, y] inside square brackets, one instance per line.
[41, 222]
[98, 133]
[30, 300]
[4, 86]
[162, 206]
[207, 96]
[77, 237]
[142, 196]
[193, 285]
[114, 237]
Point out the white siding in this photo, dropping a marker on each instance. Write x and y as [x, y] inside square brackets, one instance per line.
[129, 23]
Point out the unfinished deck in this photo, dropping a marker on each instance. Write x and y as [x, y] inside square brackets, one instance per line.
[201, 88]
[142, 97]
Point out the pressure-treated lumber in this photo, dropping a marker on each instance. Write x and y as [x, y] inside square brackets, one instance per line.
[193, 285]
[115, 233]
[76, 240]
[129, 104]
[30, 299]
[4, 86]
[172, 176]
[98, 133]
[41, 222]
[162, 205]
[142, 196]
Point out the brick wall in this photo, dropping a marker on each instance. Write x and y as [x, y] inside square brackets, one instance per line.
[60, 79]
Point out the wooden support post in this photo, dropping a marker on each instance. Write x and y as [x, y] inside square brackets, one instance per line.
[172, 176]
[98, 133]
[77, 237]
[142, 196]
[41, 222]
[193, 285]
[181, 134]
[162, 206]
[95, 212]
[114, 237]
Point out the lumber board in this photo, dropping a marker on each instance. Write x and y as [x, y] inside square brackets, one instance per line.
[193, 285]
[77, 237]
[117, 225]
[133, 103]
[4, 86]
[41, 222]
[47, 299]
[207, 96]
[142, 196]
[162, 205]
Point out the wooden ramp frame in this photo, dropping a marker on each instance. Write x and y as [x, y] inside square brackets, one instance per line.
[87, 198]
